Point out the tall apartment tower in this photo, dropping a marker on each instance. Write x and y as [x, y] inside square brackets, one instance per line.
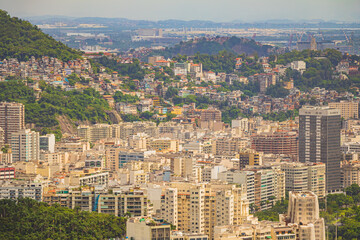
[303, 213]
[25, 145]
[319, 141]
[12, 118]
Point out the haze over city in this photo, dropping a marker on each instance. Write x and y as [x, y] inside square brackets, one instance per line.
[214, 10]
[180, 120]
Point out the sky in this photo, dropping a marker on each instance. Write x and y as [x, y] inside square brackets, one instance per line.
[214, 10]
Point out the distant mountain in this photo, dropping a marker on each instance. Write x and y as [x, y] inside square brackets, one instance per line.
[20, 39]
[214, 45]
[129, 24]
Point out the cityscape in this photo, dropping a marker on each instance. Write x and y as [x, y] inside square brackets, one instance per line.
[170, 128]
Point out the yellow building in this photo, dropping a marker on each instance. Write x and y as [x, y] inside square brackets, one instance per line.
[249, 157]
[176, 110]
[349, 110]
[164, 145]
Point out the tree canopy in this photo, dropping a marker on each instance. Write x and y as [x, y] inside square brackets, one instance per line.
[29, 219]
[20, 39]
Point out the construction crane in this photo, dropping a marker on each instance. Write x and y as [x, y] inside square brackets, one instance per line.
[321, 34]
[290, 40]
[299, 36]
[349, 41]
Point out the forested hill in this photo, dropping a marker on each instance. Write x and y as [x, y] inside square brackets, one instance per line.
[28, 219]
[20, 39]
[214, 45]
[77, 106]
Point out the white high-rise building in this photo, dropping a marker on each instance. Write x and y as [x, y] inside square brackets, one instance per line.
[47, 143]
[170, 206]
[25, 145]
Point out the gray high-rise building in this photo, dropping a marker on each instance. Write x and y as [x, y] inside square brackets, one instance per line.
[319, 141]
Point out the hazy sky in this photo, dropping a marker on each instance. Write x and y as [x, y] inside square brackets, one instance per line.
[215, 10]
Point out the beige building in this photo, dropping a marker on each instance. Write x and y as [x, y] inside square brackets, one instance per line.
[259, 230]
[351, 173]
[25, 146]
[15, 189]
[183, 166]
[229, 146]
[116, 158]
[302, 177]
[201, 207]
[249, 157]
[303, 214]
[12, 118]
[138, 141]
[147, 228]
[78, 147]
[163, 145]
[98, 132]
[117, 203]
[349, 110]
[170, 206]
[211, 115]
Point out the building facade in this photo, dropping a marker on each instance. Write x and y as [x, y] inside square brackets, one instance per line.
[25, 145]
[319, 141]
[12, 118]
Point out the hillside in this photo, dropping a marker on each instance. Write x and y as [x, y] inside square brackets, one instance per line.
[28, 219]
[20, 39]
[214, 45]
[43, 113]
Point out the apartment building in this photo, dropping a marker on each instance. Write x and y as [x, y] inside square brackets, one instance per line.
[268, 185]
[163, 145]
[170, 209]
[348, 109]
[245, 178]
[20, 189]
[224, 207]
[265, 80]
[276, 143]
[117, 157]
[301, 177]
[98, 132]
[260, 230]
[12, 118]
[211, 115]
[351, 173]
[25, 146]
[94, 179]
[7, 173]
[229, 146]
[78, 147]
[147, 228]
[6, 158]
[249, 157]
[117, 203]
[183, 166]
[319, 141]
[47, 143]
[201, 207]
[303, 215]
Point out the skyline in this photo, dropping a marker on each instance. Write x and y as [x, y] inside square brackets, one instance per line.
[227, 11]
